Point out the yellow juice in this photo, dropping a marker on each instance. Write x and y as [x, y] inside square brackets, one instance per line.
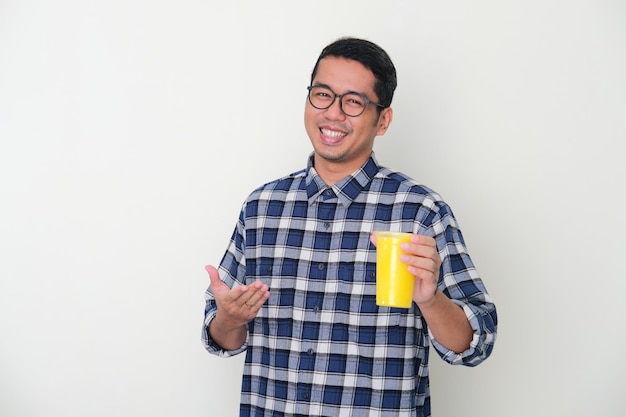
[394, 282]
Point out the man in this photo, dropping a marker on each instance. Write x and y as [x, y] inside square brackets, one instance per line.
[296, 286]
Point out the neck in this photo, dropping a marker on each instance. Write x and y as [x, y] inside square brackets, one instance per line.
[333, 172]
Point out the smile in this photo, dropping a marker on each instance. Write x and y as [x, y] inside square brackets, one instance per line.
[332, 133]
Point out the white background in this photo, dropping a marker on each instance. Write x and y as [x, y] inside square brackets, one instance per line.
[132, 130]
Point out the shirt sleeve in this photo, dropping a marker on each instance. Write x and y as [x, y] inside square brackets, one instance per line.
[460, 281]
[232, 272]
[482, 320]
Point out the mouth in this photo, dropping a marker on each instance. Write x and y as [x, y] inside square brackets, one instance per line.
[332, 136]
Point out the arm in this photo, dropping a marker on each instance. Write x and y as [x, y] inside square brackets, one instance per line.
[446, 320]
[458, 285]
[230, 304]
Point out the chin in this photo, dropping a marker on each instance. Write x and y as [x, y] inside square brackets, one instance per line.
[330, 156]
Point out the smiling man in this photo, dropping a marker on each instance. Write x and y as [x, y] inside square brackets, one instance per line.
[296, 287]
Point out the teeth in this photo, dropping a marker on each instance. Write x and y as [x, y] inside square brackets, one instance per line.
[332, 133]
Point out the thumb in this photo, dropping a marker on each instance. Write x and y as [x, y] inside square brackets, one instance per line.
[214, 276]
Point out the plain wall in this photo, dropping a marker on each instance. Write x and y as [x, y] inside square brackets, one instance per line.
[132, 130]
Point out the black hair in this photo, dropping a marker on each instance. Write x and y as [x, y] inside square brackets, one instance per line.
[372, 57]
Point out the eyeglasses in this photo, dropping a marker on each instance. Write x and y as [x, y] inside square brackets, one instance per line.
[351, 104]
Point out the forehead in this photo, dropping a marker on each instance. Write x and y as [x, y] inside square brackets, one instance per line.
[343, 75]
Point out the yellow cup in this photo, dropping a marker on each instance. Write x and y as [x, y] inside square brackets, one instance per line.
[394, 282]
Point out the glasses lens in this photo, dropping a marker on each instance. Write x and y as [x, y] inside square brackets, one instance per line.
[353, 104]
[321, 97]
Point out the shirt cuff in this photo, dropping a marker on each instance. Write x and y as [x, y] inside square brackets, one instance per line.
[474, 354]
[211, 345]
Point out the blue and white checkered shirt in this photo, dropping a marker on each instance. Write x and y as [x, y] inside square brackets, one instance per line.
[320, 346]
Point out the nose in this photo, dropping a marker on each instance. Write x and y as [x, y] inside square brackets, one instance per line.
[334, 112]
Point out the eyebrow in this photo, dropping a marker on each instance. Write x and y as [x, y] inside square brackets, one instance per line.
[347, 92]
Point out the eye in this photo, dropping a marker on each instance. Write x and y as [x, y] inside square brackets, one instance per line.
[322, 94]
[354, 100]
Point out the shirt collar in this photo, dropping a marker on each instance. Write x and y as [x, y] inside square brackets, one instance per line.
[348, 188]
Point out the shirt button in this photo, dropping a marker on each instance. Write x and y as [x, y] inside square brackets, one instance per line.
[326, 225]
[320, 266]
[306, 396]
[316, 309]
[310, 351]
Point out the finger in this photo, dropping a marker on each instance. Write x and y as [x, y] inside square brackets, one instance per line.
[422, 246]
[214, 276]
[422, 258]
[423, 241]
[423, 273]
[373, 238]
[258, 293]
[422, 262]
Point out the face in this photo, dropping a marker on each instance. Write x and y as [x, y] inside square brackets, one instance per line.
[343, 143]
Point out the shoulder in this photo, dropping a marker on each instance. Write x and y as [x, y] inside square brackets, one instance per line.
[404, 186]
[416, 201]
[279, 186]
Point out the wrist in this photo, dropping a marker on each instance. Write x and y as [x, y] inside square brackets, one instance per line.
[431, 301]
[223, 324]
[228, 335]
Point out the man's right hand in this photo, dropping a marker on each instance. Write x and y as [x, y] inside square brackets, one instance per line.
[235, 308]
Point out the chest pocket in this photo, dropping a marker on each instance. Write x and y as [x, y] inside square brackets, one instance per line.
[281, 279]
[356, 295]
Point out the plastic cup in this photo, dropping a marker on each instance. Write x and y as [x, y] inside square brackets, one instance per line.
[394, 282]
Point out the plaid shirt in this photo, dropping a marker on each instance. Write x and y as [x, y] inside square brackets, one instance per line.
[320, 346]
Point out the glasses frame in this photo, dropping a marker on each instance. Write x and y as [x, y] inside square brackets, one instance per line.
[340, 96]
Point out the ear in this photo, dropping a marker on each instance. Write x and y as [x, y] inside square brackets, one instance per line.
[386, 116]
